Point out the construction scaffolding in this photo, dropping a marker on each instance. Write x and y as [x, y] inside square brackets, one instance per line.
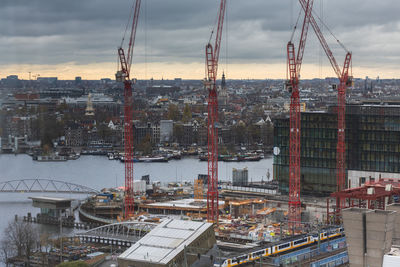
[198, 190]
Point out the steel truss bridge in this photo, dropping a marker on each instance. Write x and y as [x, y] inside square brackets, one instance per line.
[45, 186]
[122, 233]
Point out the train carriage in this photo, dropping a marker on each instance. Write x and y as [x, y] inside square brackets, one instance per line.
[276, 249]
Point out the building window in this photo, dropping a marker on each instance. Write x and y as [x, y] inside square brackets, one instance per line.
[362, 181]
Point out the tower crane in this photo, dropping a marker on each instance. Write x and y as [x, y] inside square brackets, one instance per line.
[123, 75]
[294, 67]
[345, 80]
[212, 56]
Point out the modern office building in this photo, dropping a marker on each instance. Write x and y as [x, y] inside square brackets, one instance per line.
[372, 147]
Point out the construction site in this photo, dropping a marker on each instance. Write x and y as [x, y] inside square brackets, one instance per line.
[320, 155]
[334, 199]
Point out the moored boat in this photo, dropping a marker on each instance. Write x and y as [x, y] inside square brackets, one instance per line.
[49, 158]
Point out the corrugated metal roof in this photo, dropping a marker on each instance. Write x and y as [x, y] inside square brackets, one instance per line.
[144, 253]
[165, 241]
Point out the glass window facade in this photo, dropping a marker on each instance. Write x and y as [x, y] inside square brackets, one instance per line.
[372, 144]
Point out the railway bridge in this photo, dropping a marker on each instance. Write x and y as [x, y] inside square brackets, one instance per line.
[44, 186]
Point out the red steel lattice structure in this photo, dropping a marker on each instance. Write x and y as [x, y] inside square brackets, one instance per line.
[294, 67]
[345, 81]
[212, 56]
[124, 75]
[372, 195]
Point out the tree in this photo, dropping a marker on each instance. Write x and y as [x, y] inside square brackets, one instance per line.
[104, 131]
[49, 128]
[5, 252]
[269, 134]
[145, 145]
[173, 112]
[46, 149]
[223, 150]
[258, 110]
[239, 132]
[187, 113]
[178, 132]
[20, 237]
[73, 264]
[30, 240]
[253, 134]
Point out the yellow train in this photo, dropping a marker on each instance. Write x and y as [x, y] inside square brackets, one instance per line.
[299, 242]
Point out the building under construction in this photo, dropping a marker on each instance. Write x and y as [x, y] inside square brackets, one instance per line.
[372, 147]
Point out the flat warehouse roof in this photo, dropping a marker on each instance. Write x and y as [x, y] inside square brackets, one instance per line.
[51, 202]
[165, 242]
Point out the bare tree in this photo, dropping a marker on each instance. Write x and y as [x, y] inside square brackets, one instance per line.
[20, 239]
[5, 252]
[30, 238]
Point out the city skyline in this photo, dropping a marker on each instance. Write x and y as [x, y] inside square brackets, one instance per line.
[68, 39]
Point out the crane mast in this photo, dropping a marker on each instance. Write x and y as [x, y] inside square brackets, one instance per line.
[294, 215]
[294, 67]
[344, 81]
[124, 76]
[212, 56]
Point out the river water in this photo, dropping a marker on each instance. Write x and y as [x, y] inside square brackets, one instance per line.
[98, 172]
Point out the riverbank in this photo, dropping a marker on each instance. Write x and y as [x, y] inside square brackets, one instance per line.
[98, 172]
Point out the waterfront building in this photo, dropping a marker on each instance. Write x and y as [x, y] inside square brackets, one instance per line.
[166, 130]
[162, 90]
[187, 139]
[140, 132]
[49, 80]
[51, 206]
[372, 147]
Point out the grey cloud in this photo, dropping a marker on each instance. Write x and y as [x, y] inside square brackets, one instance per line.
[87, 31]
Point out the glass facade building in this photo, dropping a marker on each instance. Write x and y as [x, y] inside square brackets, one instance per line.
[372, 144]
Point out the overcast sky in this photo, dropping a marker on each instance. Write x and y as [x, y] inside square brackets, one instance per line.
[79, 37]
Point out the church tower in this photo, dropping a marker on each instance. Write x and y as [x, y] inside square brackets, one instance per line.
[223, 93]
[89, 111]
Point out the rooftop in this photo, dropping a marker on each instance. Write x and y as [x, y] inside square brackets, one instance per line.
[50, 199]
[165, 241]
[51, 202]
[392, 259]
[184, 203]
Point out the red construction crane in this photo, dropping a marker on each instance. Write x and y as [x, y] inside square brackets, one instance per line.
[212, 56]
[294, 67]
[124, 76]
[345, 81]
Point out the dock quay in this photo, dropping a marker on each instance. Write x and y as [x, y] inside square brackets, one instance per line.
[55, 221]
